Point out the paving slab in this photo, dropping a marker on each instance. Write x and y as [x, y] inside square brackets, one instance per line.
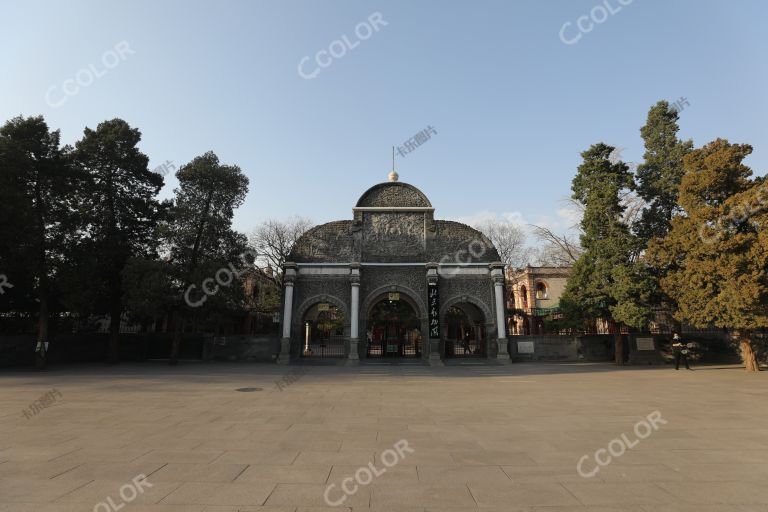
[485, 439]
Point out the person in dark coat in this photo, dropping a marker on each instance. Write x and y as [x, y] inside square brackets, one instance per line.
[681, 351]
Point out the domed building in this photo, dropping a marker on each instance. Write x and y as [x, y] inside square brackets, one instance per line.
[393, 282]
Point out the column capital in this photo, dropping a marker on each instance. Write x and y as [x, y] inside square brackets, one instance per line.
[496, 267]
[432, 274]
[290, 270]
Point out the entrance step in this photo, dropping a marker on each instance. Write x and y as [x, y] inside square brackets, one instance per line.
[394, 362]
[473, 362]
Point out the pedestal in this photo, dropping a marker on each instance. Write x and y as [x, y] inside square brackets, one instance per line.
[353, 358]
[434, 354]
[284, 357]
[503, 352]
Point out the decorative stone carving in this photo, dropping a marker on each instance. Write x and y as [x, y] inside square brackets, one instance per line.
[398, 235]
[392, 195]
[331, 242]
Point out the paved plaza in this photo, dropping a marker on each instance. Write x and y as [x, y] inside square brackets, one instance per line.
[493, 438]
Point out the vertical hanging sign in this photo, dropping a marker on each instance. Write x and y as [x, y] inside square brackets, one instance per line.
[433, 302]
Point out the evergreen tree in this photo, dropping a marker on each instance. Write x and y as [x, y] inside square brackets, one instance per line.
[715, 257]
[602, 283]
[658, 177]
[120, 211]
[201, 240]
[36, 203]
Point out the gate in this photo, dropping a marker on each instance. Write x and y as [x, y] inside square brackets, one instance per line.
[460, 348]
[331, 346]
[394, 329]
[408, 346]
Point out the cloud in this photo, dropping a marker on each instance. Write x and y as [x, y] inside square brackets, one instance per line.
[571, 216]
[483, 216]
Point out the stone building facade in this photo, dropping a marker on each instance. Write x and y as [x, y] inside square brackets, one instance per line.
[393, 282]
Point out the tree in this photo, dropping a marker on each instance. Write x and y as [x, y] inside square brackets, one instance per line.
[509, 240]
[119, 207]
[658, 177]
[199, 235]
[600, 285]
[714, 259]
[274, 240]
[557, 250]
[36, 201]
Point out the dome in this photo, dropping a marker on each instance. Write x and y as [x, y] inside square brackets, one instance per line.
[393, 194]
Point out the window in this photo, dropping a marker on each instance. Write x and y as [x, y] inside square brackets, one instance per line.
[541, 290]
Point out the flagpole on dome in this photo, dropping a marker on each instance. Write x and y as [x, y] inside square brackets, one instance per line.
[393, 176]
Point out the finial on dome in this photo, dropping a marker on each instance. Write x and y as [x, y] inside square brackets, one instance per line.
[393, 176]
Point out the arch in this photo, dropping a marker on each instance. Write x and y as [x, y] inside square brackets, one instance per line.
[325, 331]
[466, 323]
[374, 296]
[393, 328]
[469, 299]
[301, 311]
[541, 290]
[511, 299]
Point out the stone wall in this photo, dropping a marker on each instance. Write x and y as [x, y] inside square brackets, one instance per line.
[81, 348]
[561, 348]
[242, 348]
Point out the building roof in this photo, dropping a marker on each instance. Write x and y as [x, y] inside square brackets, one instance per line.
[394, 194]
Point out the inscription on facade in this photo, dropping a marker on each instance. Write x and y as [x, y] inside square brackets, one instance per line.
[433, 302]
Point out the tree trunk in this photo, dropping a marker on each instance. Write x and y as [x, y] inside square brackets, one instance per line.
[618, 342]
[178, 324]
[748, 354]
[115, 312]
[41, 355]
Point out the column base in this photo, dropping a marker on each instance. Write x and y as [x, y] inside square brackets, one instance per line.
[353, 358]
[284, 357]
[434, 360]
[503, 352]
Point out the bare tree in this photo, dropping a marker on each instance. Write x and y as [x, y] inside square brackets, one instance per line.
[509, 240]
[273, 240]
[558, 250]
[633, 208]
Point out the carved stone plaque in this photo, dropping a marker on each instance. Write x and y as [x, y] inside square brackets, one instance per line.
[394, 236]
[525, 347]
[645, 344]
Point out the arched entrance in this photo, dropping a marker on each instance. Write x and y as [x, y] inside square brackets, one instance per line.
[393, 328]
[465, 333]
[323, 334]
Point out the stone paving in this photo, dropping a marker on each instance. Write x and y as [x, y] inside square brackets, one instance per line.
[492, 438]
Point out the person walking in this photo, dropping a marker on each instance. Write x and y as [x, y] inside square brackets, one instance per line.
[681, 351]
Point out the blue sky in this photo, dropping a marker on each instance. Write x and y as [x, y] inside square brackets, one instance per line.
[512, 104]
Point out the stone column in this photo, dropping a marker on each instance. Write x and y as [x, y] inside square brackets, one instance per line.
[497, 275]
[354, 314]
[285, 342]
[432, 348]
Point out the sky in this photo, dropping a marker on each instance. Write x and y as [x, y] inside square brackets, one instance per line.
[308, 97]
